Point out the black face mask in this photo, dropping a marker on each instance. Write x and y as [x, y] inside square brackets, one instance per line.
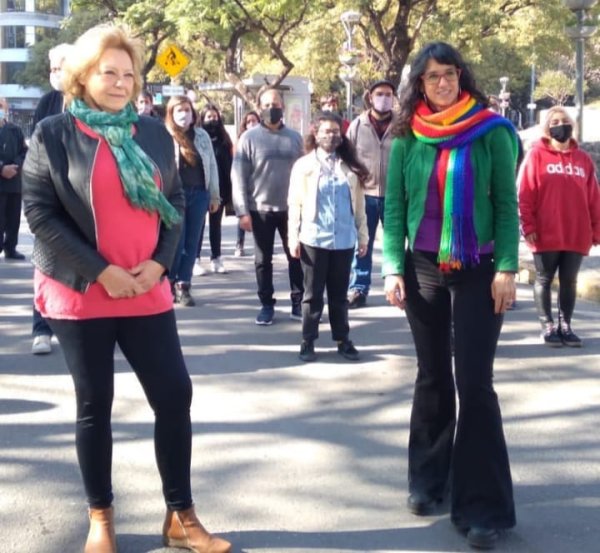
[211, 127]
[561, 133]
[271, 116]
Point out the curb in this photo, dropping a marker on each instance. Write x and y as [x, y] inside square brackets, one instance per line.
[588, 281]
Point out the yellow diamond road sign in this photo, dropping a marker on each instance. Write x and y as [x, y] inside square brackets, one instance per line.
[172, 60]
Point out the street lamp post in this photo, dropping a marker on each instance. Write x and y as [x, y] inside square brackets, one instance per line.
[532, 105]
[504, 95]
[579, 32]
[349, 57]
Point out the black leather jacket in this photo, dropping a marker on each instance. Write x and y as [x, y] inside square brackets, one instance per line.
[56, 197]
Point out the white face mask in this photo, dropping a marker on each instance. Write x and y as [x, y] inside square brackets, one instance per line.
[182, 119]
[382, 104]
[1, 114]
[56, 81]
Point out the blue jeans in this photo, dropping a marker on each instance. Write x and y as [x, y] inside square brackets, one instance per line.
[196, 206]
[362, 266]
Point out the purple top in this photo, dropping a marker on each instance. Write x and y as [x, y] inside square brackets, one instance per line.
[430, 230]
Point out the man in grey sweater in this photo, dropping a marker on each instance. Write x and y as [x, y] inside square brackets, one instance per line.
[260, 179]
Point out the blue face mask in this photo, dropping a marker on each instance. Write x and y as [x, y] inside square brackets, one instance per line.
[1, 114]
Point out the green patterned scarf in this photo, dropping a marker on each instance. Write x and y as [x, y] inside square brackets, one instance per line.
[135, 167]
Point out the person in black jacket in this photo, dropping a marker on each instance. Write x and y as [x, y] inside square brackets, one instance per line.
[51, 103]
[103, 198]
[12, 153]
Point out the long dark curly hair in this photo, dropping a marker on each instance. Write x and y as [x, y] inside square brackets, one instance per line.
[222, 134]
[412, 91]
[345, 150]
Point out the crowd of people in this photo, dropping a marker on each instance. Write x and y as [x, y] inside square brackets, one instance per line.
[117, 200]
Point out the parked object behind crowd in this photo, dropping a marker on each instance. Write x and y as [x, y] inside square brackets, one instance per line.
[327, 222]
[371, 135]
[212, 123]
[103, 198]
[198, 171]
[260, 176]
[559, 203]
[451, 197]
[12, 153]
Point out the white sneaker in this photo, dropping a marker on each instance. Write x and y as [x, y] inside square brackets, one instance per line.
[239, 251]
[198, 269]
[41, 345]
[216, 266]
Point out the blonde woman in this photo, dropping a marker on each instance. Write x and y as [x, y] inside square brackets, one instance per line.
[104, 201]
[559, 203]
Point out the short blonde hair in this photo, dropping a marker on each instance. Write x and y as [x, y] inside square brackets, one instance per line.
[89, 48]
[550, 113]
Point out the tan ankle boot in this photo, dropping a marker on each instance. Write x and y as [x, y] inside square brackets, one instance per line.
[183, 529]
[101, 538]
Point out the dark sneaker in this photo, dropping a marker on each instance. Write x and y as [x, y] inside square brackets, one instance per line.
[14, 254]
[307, 352]
[296, 313]
[265, 315]
[551, 338]
[347, 350]
[182, 294]
[568, 337]
[482, 538]
[420, 504]
[356, 299]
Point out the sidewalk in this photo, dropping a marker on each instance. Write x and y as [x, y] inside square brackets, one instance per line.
[291, 457]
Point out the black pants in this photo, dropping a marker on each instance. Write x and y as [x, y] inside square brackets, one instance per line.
[264, 226]
[469, 455]
[215, 222]
[546, 265]
[10, 221]
[325, 269]
[151, 346]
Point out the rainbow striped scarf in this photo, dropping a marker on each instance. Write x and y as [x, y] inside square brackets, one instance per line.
[452, 132]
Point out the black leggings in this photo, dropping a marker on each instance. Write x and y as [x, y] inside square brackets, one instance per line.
[546, 264]
[151, 346]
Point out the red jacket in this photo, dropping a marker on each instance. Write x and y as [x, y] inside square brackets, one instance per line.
[559, 199]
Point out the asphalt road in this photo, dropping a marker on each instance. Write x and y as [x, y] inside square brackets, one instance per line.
[291, 457]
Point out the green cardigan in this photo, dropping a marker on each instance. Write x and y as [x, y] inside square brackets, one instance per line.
[495, 213]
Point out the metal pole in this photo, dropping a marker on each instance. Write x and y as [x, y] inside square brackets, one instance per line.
[349, 99]
[531, 100]
[579, 77]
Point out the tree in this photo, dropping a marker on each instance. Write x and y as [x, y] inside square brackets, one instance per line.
[555, 85]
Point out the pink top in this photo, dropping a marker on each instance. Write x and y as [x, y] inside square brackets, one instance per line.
[126, 236]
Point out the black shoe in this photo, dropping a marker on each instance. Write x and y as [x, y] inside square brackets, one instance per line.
[307, 352]
[182, 294]
[550, 337]
[346, 349]
[420, 504]
[17, 256]
[482, 538]
[265, 315]
[568, 337]
[296, 313]
[356, 299]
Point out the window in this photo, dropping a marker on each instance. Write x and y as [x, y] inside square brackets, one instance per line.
[15, 5]
[54, 7]
[11, 70]
[13, 37]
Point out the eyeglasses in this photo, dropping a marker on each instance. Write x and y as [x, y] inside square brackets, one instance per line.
[433, 78]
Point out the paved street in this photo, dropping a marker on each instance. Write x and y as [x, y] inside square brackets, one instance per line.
[291, 457]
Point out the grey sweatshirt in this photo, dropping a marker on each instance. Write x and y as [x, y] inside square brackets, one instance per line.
[260, 175]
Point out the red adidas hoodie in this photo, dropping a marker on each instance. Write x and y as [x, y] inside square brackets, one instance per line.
[559, 199]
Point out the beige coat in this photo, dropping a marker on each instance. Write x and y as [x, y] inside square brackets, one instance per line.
[302, 198]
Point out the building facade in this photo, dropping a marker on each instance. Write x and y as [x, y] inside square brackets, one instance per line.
[22, 24]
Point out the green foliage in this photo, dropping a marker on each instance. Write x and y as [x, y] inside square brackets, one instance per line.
[557, 86]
